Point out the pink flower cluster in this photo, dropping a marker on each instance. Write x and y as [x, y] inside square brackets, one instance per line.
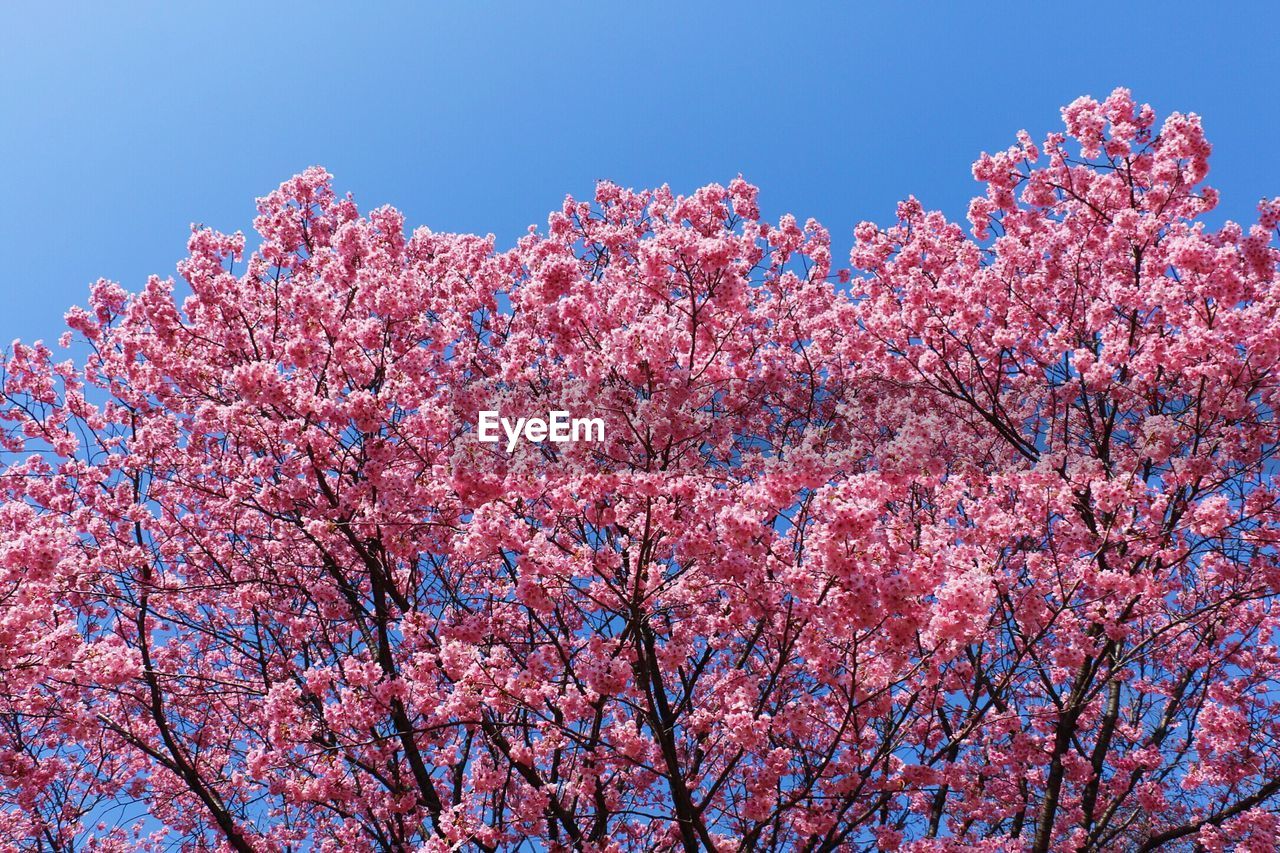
[972, 547]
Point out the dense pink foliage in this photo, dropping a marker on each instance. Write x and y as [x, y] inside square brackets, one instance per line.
[974, 548]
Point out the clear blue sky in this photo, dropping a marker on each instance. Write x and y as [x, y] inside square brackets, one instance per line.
[122, 123]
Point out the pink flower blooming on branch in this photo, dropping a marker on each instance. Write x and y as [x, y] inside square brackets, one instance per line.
[973, 548]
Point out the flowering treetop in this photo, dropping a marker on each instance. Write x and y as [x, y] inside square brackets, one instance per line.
[971, 548]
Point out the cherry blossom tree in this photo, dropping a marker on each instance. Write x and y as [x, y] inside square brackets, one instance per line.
[973, 547]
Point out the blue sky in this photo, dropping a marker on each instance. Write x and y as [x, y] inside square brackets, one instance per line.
[120, 126]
